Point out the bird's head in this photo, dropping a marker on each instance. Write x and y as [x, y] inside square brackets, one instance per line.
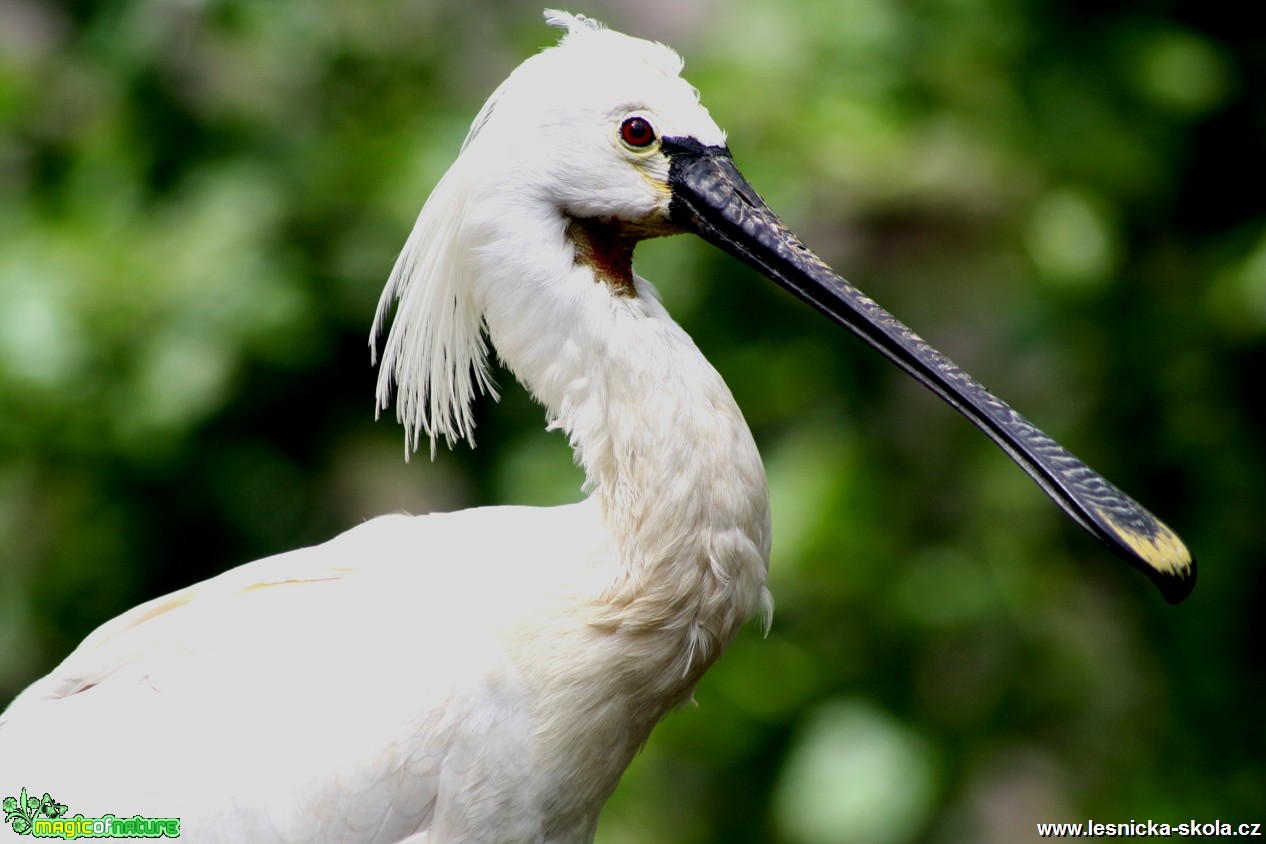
[601, 142]
[587, 126]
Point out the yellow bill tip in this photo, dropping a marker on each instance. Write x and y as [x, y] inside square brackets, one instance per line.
[1158, 553]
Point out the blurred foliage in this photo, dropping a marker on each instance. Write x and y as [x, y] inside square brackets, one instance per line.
[200, 201]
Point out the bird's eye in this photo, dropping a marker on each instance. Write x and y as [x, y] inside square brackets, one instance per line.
[637, 132]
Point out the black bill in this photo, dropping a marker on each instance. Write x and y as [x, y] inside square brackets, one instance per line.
[711, 198]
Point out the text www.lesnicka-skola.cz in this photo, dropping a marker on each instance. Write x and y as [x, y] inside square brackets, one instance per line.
[1148, 829]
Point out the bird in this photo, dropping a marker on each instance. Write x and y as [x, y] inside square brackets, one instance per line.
[487, 675]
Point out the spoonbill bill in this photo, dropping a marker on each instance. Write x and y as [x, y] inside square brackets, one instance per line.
[487, 675]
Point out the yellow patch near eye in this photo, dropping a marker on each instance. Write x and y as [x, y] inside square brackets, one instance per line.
[661, 187]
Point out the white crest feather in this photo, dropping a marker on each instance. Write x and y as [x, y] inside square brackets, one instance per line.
[572, 23]
[436, 353]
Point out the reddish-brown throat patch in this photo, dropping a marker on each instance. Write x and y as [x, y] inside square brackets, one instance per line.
[607, 249]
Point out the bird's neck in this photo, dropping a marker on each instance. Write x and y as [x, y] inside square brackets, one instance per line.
[665, 448]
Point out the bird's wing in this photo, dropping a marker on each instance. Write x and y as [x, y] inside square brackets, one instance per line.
[332, 687]
[175, 621]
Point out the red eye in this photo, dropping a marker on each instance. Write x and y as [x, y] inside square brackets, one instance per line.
[637, 132]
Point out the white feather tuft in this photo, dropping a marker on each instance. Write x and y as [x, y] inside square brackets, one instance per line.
[572, 23]
[580, 29]
[435, 353]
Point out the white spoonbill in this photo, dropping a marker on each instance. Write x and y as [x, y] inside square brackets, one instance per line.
[486, 676]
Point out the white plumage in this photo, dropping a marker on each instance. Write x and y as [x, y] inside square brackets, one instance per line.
[477, 676]
[486, 676]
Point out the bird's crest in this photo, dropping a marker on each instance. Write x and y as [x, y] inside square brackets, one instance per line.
[572, 23]
[436, 353]
[580, 35]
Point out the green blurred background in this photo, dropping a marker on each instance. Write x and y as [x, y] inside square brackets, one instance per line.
[200, 201]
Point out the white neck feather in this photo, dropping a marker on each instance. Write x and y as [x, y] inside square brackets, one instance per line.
[665, 449]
